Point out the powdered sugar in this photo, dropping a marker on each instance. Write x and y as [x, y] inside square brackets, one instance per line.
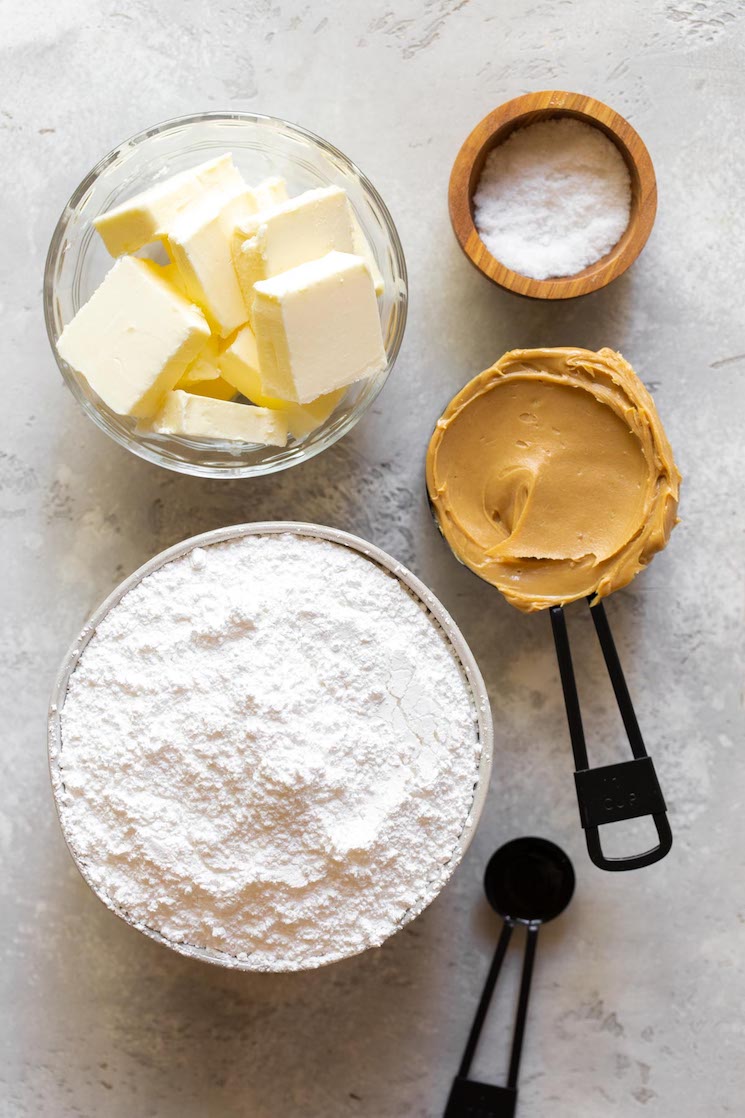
[268, 749]
[553, 198]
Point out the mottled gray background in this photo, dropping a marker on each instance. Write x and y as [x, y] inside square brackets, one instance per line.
[639, 989]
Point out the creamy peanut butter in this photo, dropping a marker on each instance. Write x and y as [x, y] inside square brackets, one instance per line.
[551, 476]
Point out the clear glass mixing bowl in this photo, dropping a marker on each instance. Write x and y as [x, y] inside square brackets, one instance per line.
[262, 146]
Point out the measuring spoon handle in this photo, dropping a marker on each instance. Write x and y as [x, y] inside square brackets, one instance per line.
[486, 994]
[469, 1098]
[522, 1006]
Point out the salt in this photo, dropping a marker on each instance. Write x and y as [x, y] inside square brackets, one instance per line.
[553, 198]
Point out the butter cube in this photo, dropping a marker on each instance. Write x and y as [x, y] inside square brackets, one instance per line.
[317, 328]
[167, 272]
[361, 247]
[206, 381]
[299, 230]
[270, 192]
[145, 217]
[202, 378]
[133, 338]
[304, 418]
[239, 366]
[196, 417]
[199, 244]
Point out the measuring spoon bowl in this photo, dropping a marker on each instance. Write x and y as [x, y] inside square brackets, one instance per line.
[529, 881]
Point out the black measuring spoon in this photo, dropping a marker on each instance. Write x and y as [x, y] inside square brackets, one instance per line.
[528, 881]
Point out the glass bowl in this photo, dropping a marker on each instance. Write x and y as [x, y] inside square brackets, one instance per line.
[262, 146]
[433, 609]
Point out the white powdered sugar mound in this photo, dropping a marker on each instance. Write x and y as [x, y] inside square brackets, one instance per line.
[553, 198]
[268, 749]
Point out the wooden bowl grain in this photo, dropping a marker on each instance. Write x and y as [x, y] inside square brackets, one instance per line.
[493, 130]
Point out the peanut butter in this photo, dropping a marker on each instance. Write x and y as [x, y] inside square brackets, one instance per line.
[551, 476]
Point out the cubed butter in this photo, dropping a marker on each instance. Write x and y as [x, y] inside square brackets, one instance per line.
[361, 247]
[133, 338]
[168, 272]
[299, 230]
[239, 365]
[203, 376]
[145, 217]
[199, 244]
[317, 328]
[203, 379]
[270, 192]
[196, 417]
[304, 418]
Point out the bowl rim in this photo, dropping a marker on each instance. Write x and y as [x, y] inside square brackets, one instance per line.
[529, 108]
[386, 562]
[130, 441]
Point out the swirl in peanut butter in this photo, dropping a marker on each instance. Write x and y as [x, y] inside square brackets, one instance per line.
[551, 476]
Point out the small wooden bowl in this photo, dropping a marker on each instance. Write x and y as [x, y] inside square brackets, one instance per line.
[493, 130]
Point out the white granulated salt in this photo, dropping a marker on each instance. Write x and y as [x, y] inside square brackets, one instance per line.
[553, 198]
[268, 749]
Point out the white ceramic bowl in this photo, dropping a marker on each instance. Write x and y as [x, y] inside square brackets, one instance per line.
[419, 591]
[261, 146]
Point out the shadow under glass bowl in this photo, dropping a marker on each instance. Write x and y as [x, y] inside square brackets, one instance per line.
[437, 614]
[262, 146]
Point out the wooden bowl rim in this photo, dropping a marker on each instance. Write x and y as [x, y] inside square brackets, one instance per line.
[631, 146]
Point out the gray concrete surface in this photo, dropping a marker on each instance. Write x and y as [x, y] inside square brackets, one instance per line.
[637, 1006]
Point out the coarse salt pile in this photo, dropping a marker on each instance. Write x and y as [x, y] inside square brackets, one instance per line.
[553, 198]
[269, 749]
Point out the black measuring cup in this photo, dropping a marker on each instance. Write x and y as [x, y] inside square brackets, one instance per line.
[610, 793]
[607, 793]
[528, 881]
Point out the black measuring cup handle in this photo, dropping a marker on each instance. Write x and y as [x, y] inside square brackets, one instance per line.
[610, 793]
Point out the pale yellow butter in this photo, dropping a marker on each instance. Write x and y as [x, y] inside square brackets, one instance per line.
[301, 229]
[270, 192]
[133, 338]
[302, 419]
[239, 366]
[203, 376]
[196, 417]
[169, 273]
[317, 328]
[199, 244]
[145, 217]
